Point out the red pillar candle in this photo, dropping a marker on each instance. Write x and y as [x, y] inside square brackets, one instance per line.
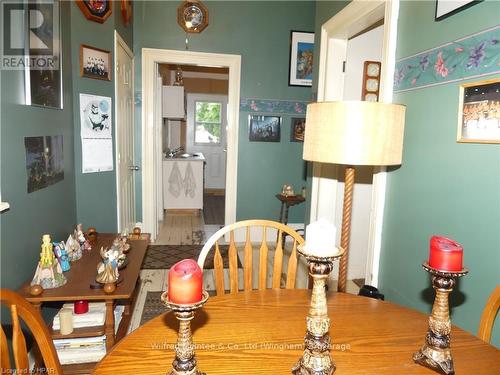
[445, 254]
[185, 282]
[81, 307]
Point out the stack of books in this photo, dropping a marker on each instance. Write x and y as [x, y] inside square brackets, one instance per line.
[85, 349]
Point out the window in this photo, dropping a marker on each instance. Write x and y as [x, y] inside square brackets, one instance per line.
[207, 122]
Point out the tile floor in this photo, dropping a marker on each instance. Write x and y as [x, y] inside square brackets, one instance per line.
[179, 229]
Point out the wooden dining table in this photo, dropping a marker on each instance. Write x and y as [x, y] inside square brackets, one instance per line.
[261, 332]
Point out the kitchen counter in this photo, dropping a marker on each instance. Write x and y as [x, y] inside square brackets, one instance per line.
[192, 157]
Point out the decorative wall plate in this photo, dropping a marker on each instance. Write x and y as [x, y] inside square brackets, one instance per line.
[95, 10]
[192, 16]
[371, 81]
[126, 8]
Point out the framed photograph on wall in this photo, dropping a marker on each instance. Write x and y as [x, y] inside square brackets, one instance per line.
[301, 58]
[43, 80]
[479, 112]
[95, 63]
[298, 129]
[264, 128]
[446, 8]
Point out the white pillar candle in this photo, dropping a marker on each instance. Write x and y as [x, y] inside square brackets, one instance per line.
[320, 238]
[66, 321]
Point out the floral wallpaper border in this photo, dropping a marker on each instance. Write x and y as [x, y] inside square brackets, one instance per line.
[468, 57]
[273, 106]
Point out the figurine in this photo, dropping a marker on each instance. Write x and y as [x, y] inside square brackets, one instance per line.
[48, 273]
[287, 191]
[62, 255]
[120, 243]
[107, 270]
[84, 243]
[73, 248]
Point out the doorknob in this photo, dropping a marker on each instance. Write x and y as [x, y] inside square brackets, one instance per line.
[134, 167]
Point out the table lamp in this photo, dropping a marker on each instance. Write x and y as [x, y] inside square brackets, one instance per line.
[353, 133]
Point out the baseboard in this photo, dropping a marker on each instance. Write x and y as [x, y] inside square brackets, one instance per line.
[184, 211]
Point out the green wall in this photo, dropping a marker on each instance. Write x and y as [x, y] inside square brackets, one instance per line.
[442, 187]
[95, 192]
[260, 33]
[50, 210]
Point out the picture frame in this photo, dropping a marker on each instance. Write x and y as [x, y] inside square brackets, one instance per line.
[479, 112]
[300, 68]
[95, 63]
[126, 8]
[264, 128]
[44, 87]
[297, 129]
[97, 11]
[446, 8]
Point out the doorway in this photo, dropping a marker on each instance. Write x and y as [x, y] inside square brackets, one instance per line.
[151, 160]
[354, 19]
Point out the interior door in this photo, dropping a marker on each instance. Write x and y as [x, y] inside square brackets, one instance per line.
[206, 133]
[124, 85]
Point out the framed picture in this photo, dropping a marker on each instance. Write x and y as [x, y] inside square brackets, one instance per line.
[446, 8]
[479, 112]
[301, 58]
[95, 63]
[264, 128]
[93, 10]
[43, 81]
[126, 8]
[298, 129]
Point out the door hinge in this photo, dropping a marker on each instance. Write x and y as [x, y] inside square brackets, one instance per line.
[343, 67]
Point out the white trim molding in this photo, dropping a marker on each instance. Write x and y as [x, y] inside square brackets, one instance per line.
[353, 19]
[150, 60]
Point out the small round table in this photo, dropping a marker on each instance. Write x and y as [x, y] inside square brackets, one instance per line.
[261, 332]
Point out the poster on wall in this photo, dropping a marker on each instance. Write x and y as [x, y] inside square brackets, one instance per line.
[96, 133]
[301, 58]
[44, 161]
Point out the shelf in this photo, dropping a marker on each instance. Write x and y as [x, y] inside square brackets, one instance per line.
[78, 332]
[78, 368]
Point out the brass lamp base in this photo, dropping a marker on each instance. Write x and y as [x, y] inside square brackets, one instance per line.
[436, 353]
[316, 359]
[185, 359]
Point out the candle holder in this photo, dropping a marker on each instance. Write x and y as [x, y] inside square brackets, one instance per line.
[436, 353]
[185, 359]
[316, 359]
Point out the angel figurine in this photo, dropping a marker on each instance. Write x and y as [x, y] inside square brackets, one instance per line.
[48, 273]
[73, 248]
[62, 255]
[107, 270]
[84, 243]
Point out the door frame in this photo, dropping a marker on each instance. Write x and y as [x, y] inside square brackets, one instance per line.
[118, 41]
[151, 57]
[335, 33]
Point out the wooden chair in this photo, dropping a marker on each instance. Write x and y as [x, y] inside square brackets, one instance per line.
[20, 308]
[248, 255]
[489, 315]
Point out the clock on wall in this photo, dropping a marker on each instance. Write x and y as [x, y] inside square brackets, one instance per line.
[371, 81]
[192, 16]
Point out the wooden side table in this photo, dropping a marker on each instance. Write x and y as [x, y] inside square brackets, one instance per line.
[286, 203]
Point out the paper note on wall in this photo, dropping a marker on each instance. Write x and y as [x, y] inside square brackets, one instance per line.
[96, 133]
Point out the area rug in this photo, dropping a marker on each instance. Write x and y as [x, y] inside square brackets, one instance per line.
[165, 256]
[213, 209]
[153, 306]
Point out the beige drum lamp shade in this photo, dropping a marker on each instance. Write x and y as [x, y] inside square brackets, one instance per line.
[354, 133]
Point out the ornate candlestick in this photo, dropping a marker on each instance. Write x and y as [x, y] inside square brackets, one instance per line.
[436, 352]
[316, 358]
[185, 359]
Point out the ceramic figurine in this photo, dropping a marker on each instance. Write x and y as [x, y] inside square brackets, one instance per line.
[48, 273]
[107, 270]
[84, 243]
[73, 248]
[121, 244]
[62, 255]
[287, 191]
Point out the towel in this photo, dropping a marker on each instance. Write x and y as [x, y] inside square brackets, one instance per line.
[189, 182]
[175, 181]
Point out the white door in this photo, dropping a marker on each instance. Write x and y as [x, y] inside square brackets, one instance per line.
[124, 90]
[206, 133]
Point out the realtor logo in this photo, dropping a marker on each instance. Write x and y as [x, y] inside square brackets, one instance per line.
[30, 35]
